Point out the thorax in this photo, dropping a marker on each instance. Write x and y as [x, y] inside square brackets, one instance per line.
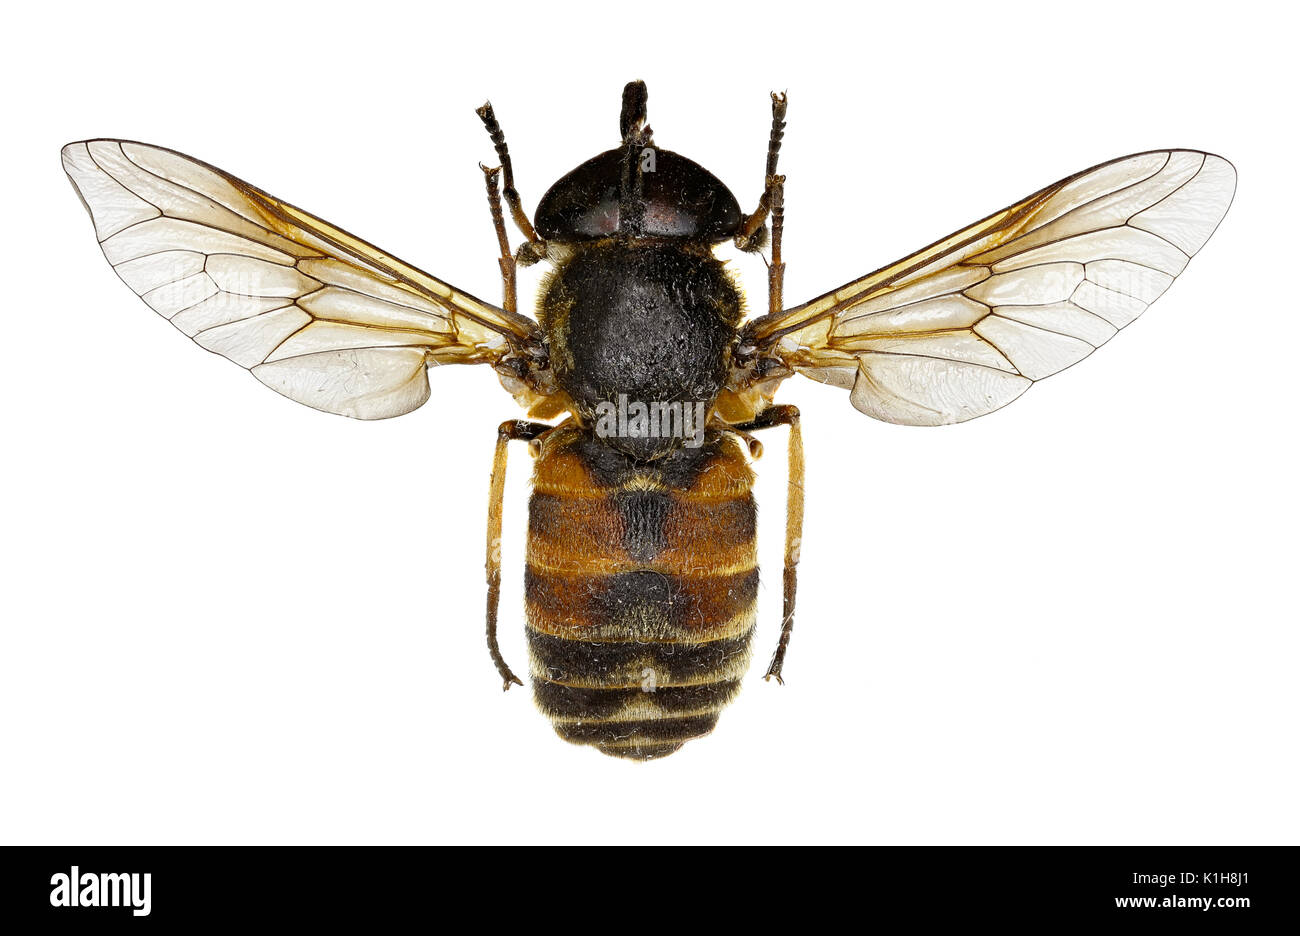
[637, 327]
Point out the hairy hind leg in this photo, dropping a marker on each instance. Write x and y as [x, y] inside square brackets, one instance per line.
[507, 432]
[786, 416]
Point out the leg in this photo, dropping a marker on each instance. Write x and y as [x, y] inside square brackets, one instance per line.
[776, 267]
[508, 430]
[509, 292]
[788, 416]
[750, 236]
[535, 248]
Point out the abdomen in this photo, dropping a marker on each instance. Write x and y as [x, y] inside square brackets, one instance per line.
[640, 587]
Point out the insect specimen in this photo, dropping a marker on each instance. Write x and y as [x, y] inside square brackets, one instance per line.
[641, 574]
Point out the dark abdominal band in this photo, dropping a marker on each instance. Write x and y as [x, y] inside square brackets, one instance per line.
[640, 590]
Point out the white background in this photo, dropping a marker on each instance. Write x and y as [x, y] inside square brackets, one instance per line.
[229, 618]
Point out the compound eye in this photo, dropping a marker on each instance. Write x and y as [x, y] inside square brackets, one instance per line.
[680, 198]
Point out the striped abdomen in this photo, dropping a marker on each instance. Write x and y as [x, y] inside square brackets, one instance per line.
[641, 586]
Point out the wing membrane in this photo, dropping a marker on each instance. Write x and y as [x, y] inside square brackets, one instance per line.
[314, 312]
[966, 325]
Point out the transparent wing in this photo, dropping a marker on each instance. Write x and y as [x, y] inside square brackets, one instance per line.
[316, 314]
[965, 326]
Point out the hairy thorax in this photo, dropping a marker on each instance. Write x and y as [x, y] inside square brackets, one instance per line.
[647, 325]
